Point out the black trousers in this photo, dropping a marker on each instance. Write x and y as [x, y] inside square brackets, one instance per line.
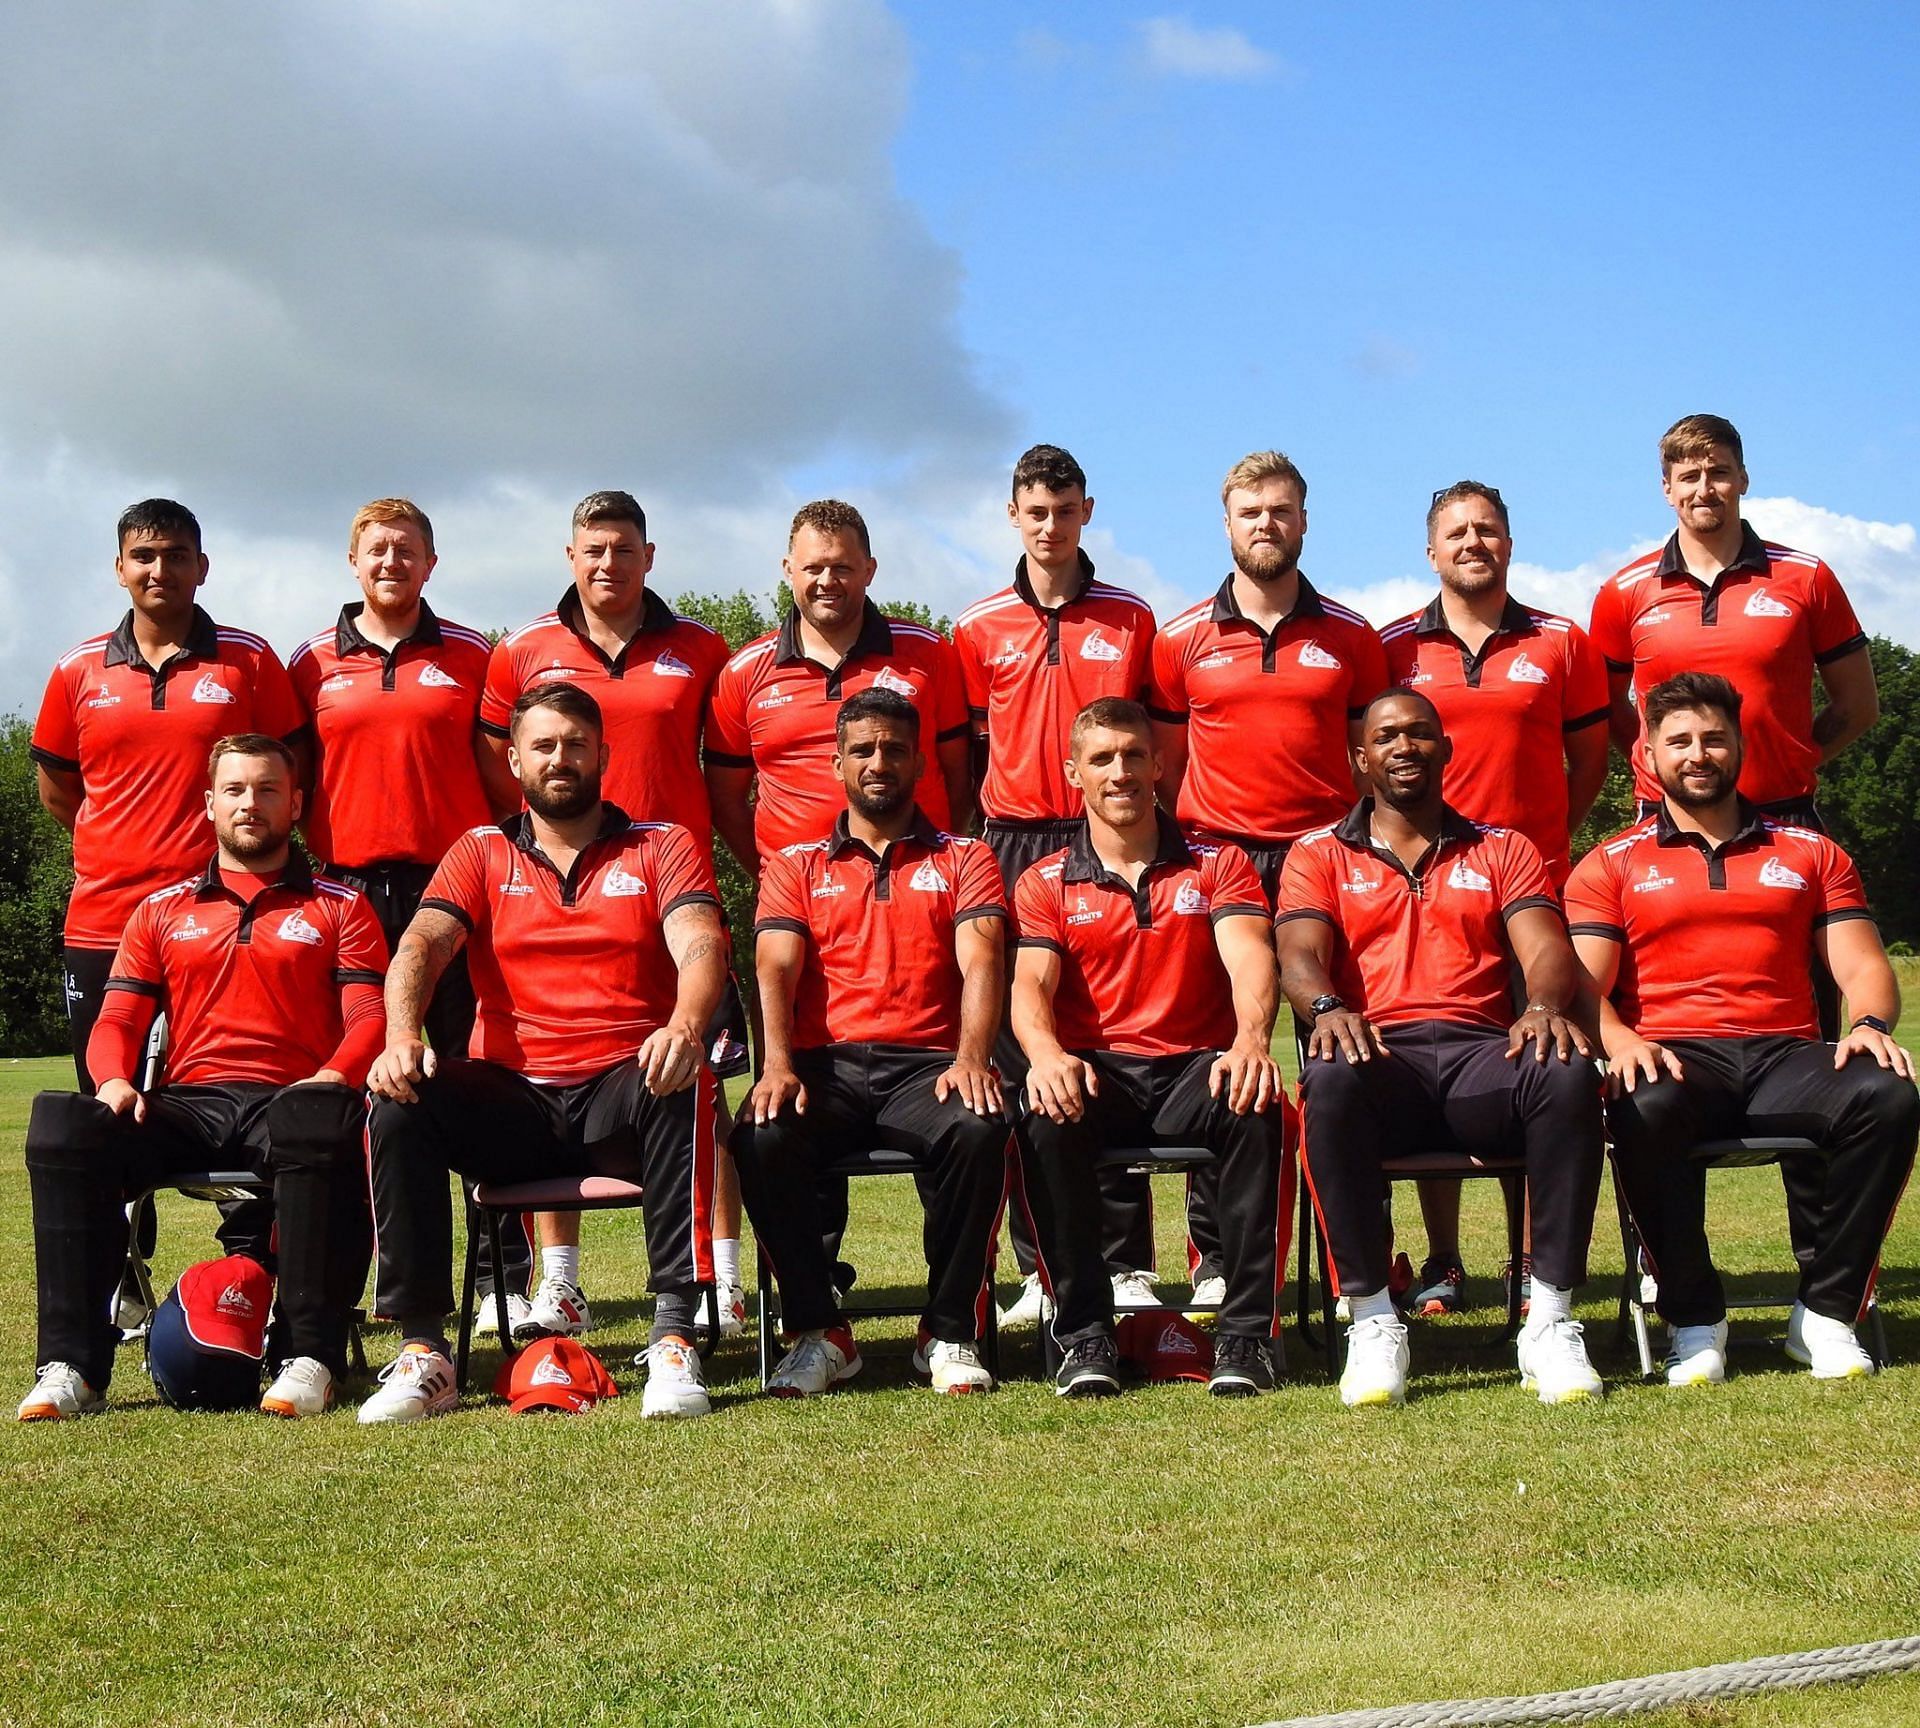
[1863, 1117]
[862, 1095]
[83, 974]
[492, 1125]
[84, 1164]
[1126, 1200]
[1145, 1101]
[1448, 1087]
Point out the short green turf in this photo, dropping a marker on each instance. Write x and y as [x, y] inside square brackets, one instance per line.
[884, 1557]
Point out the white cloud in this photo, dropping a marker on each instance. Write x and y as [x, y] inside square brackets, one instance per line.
[1177, 48]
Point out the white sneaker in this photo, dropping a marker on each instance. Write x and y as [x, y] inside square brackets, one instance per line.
[58, 1393]
[486, 1319]
[955, 1367]
[416, 1384]
[558, 1310]
[1376, 1371]
[1134, 1290]
[303, 1387]
[1553, 1362]
[733, 1310]
[1032, 1304]
[1207, 1297]
[817, 1361]
[1828, 1347]
[675, 1385]
[1698, 1356]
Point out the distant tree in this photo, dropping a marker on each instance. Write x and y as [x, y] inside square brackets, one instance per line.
[36, 876]
[1870, 795]
[1612, 810]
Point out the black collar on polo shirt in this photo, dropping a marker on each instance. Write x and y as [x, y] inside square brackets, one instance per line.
[1513, 619]
[1023, 584]
[876, 637]
[1752, 556]
[1226, 610]
[519, 829]
[655, 614]
[841, 841]
[1356, 827]
[348, 638]
[1083, 863]
[1667, 832]
[294, 874]
[202, 643]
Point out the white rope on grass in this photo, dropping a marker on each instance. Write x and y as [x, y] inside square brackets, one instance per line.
[1621, 1698]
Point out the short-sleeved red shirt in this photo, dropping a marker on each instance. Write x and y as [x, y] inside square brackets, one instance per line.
[1715, 944]
[572, 973]
[1508, 710]
[1140, 970]
[880, 965]
[653, 697]
[1029, 669]
[1266, 714]
[1764, 623]
[774, 708]
[395, 779]
[252, 988]
[1427, 944]
[138, 737]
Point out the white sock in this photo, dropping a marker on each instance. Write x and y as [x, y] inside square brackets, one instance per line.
[726, 1259]
[1550, 1303]
[1376, 1305]
[561, 1263]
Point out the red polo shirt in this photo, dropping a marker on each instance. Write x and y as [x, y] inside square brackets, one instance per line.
[1266, 713]
[1425, 944]
[265, 981]
[653, 697]
[138, 737]
[395, 775]
[572, 972]
[1508, 710]
[1764, 623]
[1029, 669]
[1140, 972]
[880, 965]
[1715, 944]
[774, 708]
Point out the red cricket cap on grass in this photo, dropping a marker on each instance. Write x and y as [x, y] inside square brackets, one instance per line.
[1165, 1346]
[225, 1304]
[554, 1374]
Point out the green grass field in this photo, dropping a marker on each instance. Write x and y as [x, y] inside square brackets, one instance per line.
[884, 1557]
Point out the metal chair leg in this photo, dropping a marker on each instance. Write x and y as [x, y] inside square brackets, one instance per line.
[1514, 1190]
[464, 1341]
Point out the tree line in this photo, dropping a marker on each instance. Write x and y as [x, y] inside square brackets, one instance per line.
[1870, 796]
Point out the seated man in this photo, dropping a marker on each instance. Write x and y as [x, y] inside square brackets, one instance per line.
[270, 980]
[1701, 925]
[879, 953]
[595, 950]
[1144, 995]
[1398, 933]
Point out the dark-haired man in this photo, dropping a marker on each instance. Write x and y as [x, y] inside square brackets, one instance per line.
[1701, 925]
[1143, 996]
[597, 958]
[881, 962]
[270, 980]
[1032, 656]
[1399, 932]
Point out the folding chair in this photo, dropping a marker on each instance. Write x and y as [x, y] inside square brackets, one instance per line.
[874, 1161]
[489, 1202]
[1734, 1154]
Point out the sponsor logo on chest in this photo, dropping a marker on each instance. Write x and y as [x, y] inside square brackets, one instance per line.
[1652, 882]
[103, 697]
[1659, 615]
[1011, 654]
[620, 883]
[774, 698]
[210, 689]
[1097, 647]
[1359, 882]
[1774, 874]
[191, 931]
[1413, 678]
[1211, 662]
[295, 928]
[1082, 913]
[339, 681]
[559, 669]
[826, 885]
[516, 883]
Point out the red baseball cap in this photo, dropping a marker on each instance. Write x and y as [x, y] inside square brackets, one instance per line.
[1165, 1346]
[554, 1374]
[225, 1304]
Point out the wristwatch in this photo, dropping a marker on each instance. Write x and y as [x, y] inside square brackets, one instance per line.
[1325, 1005]
[1872, 1020]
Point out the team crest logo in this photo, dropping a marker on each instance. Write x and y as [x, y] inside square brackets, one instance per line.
[670, 665]
[1097, 647]
[1653, 881]
[1774, 874]
[928, 879]
[295, 928]
[1463, 875]
[234, 1300]
[1523, 671]
[888, 679]
[621, 883]
[1188, 900]
[210, 689]
[1761, 604]
[1312, 654]
[550, 1372]
[435, 679]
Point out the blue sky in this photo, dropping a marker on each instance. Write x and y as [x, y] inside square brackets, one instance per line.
[278, 260]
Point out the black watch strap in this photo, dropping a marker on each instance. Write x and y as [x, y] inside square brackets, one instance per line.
[1874, 1021]
[1325, 1005]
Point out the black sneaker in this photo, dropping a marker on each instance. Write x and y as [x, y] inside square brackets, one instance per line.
[1443, 1281]
[1242, 1367]
[1091, 1369]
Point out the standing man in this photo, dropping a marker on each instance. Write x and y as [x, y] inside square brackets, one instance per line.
[1700, 925]
[597, 960]
[1032, 656]
[1400, 931]
[1256, 694]
[270, 980]
[882, 971]
[1523, 696]
[652, 673]
[1144, 995]
[392, 697]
